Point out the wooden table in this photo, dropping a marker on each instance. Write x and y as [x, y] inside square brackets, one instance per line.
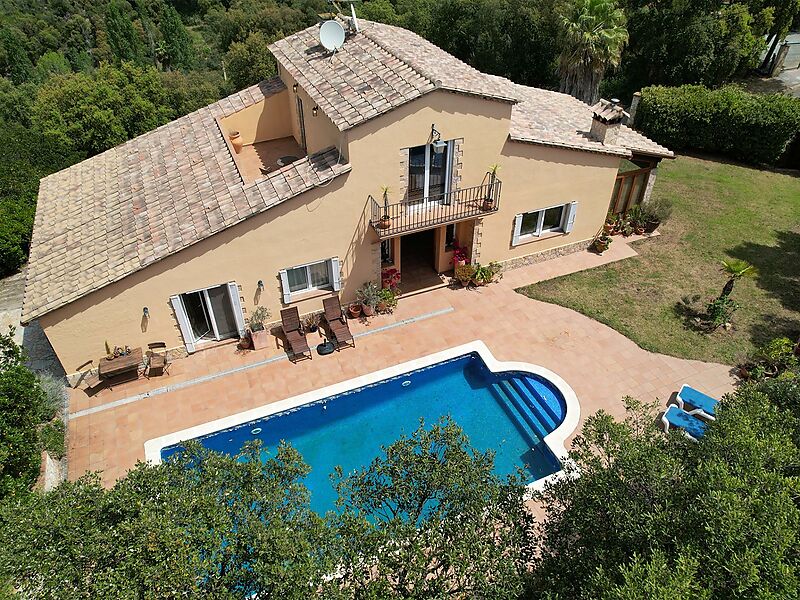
[121, 367]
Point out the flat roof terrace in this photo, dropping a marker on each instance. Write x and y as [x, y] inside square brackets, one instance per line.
[258, 160]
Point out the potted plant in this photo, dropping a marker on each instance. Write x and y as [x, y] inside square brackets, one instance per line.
[620, 224]
[601, 242]
[610, 223]
[459, 255]
[369, 296]
[390, 278]
[486, 273]
[385, 221]
[655, 212]
[464, 274]
[257, 327]
[311, 322]
[636, 219]
[236, 141]
[388, 299]
[488, 200]
[355, 310]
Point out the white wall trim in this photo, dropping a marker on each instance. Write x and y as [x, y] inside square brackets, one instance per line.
[555, 441]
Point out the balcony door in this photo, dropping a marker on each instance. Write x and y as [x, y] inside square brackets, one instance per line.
[429, 175]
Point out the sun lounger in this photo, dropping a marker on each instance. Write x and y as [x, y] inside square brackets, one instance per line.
[692, 427]
[337, 322]
[697, 403]
[294, 333]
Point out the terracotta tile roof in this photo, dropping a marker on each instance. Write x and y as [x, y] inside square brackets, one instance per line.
[120, 211]
[556, 119]
[378, 69]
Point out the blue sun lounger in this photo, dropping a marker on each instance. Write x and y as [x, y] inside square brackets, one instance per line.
[697, 403]
[691, 426]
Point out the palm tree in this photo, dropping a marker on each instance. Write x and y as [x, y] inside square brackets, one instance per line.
[595, 33]
[736, 269]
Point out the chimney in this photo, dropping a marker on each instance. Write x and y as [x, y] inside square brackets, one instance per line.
[606, 121]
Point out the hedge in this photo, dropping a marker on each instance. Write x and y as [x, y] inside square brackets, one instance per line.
[755, 128]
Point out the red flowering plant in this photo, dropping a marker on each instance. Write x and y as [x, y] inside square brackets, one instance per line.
[459, 253]
[390, 278]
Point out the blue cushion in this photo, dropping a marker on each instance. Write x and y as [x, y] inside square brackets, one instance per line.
[698, 399]
[677, 417]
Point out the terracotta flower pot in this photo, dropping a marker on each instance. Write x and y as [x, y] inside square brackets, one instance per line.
[608, 227]
[600, 247]
[460, 263]
[488, 204]
[464, 282]
[236, 141]
[368, 310]
[639, 230]
[260, 339]
[385, 223]
[354, 310]
[381, 308]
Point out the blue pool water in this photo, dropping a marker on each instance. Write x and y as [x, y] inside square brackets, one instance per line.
[508, 412]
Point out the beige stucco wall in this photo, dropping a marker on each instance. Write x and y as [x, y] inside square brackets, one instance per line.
[333, 221]
[321, 133]
[263, 121]
[536, 177]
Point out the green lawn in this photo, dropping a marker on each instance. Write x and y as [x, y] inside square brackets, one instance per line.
[720, 211]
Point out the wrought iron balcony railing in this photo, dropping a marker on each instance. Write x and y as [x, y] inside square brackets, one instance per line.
[390, 220]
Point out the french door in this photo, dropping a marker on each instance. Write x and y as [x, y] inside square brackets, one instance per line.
[429, 175]
[209, 314]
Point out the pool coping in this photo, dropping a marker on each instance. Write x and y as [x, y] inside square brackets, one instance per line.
[555, 440]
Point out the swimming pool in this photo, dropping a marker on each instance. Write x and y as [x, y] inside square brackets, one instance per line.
[521, 412]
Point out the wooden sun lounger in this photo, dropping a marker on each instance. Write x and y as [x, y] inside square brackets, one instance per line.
[294, 333]
[337, 322]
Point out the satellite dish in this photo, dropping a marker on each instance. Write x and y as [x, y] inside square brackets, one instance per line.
[331, 35]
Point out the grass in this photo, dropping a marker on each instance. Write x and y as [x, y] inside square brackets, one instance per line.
[721, 211]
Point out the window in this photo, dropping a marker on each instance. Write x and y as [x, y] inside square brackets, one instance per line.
[387, 252]
[323, 274]
[450, 237]
[553, 219]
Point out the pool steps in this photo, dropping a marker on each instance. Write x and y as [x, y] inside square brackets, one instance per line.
[538, 413]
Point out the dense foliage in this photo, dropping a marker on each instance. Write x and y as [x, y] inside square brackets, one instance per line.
[210, 525]
[753, 128]
[24, 405]
[655, 516]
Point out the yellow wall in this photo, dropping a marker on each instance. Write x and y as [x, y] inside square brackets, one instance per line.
[536, 177]
[333, 221]
[321, 133]
[267, 120]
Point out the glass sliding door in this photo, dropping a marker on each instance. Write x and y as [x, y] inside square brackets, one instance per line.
[417, 160]
[210, 313]
[438, 174]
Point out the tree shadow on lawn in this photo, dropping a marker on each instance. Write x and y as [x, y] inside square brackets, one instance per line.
[778, 275]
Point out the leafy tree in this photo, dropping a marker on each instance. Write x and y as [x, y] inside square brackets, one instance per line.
[14, 61]
[250, 61]
[177, 51]
[721, 512]
[594, 35]
[122, 37]
[91, 113]
[202, 525]
[429, 519]
[21, 410]
[51, 63]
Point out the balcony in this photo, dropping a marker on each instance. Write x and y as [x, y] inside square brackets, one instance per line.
[390, 220]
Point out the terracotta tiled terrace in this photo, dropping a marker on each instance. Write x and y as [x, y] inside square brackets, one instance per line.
[107, 431]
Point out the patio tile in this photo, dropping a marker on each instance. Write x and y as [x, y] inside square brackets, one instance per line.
[600, 364]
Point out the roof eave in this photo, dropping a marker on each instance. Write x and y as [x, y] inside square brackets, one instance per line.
[616, 151]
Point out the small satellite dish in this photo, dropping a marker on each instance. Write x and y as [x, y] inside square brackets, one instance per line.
[331, 35]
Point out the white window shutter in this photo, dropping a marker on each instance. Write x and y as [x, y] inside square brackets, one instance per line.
[287, 294]
[517, 229]
[183, 322]
[569, 218]
[336, 274]
[238, 314]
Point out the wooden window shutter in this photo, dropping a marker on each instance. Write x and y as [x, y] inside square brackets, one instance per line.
[287, 294]
[183, 323]
[517, 229]
[569, 218]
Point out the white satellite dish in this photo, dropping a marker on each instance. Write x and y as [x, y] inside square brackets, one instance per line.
[331, 35]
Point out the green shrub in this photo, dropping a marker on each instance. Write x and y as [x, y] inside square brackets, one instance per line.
[52, 435]
[755, 128]
[55, 390]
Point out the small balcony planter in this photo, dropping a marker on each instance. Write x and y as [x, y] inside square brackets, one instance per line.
[385, 222]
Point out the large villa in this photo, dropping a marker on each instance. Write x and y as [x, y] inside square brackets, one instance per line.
[384, 162]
